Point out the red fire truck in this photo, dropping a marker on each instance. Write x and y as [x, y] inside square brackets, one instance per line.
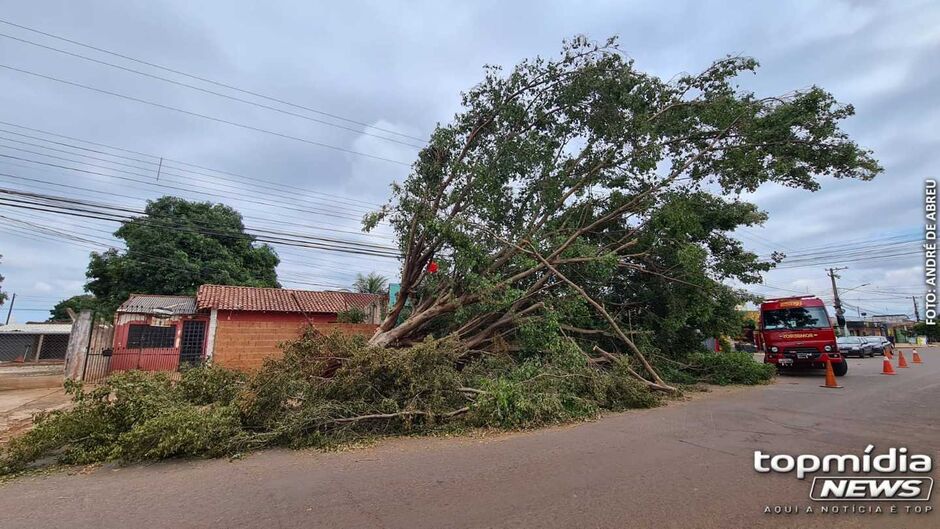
[795, 332]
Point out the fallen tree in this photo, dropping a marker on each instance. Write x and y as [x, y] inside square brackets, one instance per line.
[551, 188]
[324, 391]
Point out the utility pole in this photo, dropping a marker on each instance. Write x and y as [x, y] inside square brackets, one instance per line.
[916, 312]
[840, 312]
[10, 311]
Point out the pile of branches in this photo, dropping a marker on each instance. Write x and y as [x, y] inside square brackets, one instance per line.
[325, 390]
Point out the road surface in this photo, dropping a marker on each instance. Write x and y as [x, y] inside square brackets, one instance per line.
[687, 465]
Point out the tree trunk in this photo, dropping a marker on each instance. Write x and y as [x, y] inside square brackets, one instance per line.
[385, 338]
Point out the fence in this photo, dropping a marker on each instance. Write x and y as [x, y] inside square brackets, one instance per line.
[32, 347]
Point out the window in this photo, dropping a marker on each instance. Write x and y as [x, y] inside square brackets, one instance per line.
[796, 318]
[150, 337]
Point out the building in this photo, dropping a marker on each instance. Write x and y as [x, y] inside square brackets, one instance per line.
[157, 333]
[34, 342]
[891, 318]
[237, 327]
[900, 327]
[866, 328]
[248, 325]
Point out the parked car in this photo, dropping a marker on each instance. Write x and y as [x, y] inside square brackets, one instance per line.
[854, 346]
[887, 345]
[877, 344]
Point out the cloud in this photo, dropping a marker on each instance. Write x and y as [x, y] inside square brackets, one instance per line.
[42, 286]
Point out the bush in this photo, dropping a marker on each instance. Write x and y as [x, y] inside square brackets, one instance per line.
[185, 430]
[555, 388]
[730, 368]
[210, 384]
[351, 315]
[131, 416]
[332, 388]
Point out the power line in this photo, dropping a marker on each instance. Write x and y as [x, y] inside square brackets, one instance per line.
[132, 166]
[864, 250]
[849, 248]
[283, 253]
[210, 81]
[86, 209]
[199, 115]
[92, 245]
[201, 189]
[112, 195]
[851, 243]
[204, 90]
[841, 261]
[262, 181]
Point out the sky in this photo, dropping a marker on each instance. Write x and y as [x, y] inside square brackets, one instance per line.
[384, 74]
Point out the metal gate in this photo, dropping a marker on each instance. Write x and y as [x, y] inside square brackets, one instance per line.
[191, 341]
[98, 351]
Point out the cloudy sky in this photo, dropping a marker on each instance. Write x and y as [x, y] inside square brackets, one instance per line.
[384, 74]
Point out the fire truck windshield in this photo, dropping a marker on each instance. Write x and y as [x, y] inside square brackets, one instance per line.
[796, 318]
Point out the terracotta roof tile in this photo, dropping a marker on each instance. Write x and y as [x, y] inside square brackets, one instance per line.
[279, 299]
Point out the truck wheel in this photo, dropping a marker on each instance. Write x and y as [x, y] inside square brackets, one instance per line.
[841, 368]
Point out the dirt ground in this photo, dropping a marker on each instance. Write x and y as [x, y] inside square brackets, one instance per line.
[17, 407]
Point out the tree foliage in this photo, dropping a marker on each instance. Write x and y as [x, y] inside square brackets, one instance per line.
[76, 303]
[351, 315]
[558, 179]
[373, 283]
[176, 247]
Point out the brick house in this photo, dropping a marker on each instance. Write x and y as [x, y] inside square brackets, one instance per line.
[247, 324]
[235, 327]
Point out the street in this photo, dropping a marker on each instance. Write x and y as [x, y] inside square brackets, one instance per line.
[688, 464]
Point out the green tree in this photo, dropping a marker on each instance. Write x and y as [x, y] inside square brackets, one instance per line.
[932, 332]
[373, 283]
[3, 295]
[677, 293]
[540, 191]
[176, 247]
[77, 303]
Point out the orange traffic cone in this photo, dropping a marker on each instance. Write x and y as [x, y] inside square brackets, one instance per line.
[830, 376]
[889, 354]
[916, 358]
[901, 361]
[888, 369]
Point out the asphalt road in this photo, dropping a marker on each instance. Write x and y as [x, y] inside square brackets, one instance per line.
[686, 465]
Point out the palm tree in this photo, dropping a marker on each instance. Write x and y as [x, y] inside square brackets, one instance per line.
[371, 284]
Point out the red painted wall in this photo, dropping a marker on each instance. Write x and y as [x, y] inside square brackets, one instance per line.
[150, 359]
